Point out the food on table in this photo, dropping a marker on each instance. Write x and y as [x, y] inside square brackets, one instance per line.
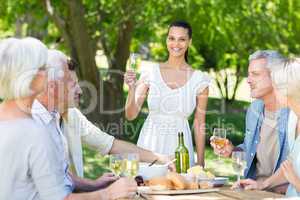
[192, 186]
[210, 175]
[160, 183]
[189, 177]
[178, 181]
[196, 170]
[172, 181]
[205, 185]
[204, 176]
[199, 172]
[175, 181]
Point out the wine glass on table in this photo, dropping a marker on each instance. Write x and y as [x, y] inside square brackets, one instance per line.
[219, 140]
[131, 164]
[115, 164]
[239, 164]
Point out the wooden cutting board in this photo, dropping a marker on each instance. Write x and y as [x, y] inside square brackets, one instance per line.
[175, 192]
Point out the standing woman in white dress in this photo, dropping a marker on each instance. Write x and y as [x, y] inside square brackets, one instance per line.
[174, 91]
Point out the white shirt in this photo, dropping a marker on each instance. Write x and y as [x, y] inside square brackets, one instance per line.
[51, 122]
[29, 167]
[78, 129]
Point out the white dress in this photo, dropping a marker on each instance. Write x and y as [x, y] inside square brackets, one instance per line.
[169, 110]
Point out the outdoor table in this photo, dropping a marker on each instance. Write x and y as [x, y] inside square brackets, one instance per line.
[225, 193]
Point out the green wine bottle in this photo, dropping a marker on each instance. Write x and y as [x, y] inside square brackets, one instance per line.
[182, 156]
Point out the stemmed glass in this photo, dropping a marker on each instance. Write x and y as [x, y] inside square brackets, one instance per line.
[219, 139]
[131, 164]
[133, 61]
[239, 163]
[116, 164]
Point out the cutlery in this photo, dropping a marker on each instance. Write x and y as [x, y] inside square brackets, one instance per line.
[153, 163]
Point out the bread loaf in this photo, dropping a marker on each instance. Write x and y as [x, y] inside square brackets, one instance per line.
[178, 181]
[192, 186]
[160, 183]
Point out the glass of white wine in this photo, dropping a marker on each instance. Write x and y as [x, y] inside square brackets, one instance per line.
[134, 60]
[115, 163]
[131, 164]
[239, 163]
[219, 139]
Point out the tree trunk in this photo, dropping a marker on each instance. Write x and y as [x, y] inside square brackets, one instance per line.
[104, 103]
[18, 28]
[75, 33]
[237, 81]
[83, 49]
[113, 103]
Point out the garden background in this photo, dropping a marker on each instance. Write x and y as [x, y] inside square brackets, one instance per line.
[100, 34]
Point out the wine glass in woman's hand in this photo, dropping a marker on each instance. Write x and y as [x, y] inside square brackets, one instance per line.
[130, 78]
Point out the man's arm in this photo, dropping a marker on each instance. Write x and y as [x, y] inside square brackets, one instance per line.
[120, 146]
[105, 143]
[276, 179]
[122, 188]
[88, 185]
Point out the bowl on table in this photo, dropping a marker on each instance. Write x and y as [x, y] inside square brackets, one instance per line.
[148, 172]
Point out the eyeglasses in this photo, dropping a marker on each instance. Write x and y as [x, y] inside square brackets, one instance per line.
[43, 67]
[72, 64]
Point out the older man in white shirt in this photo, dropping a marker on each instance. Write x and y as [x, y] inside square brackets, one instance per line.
[45, 110]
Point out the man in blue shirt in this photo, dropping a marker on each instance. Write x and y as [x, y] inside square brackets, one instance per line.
[265, 142]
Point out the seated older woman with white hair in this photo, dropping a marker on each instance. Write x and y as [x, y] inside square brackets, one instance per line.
[286, 81]
[27, 164]
[30, 168]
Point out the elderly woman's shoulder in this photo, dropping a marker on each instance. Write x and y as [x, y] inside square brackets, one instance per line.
[25, 129]
[31, 128]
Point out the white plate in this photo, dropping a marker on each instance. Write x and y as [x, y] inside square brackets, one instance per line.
[220, 181]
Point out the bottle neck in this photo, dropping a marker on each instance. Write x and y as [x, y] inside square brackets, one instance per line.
[181, 140]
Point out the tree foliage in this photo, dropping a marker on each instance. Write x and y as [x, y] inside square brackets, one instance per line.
[224, 34]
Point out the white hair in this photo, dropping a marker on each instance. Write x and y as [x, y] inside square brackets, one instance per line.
[272, 57]
[286, 77]
[20, 60]
[55, 64]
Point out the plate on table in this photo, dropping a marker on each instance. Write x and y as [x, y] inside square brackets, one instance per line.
[220, 181]
[216, 182]
[149, 191]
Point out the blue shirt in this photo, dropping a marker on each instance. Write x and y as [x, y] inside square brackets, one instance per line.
[254, 119]
[51, 122]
